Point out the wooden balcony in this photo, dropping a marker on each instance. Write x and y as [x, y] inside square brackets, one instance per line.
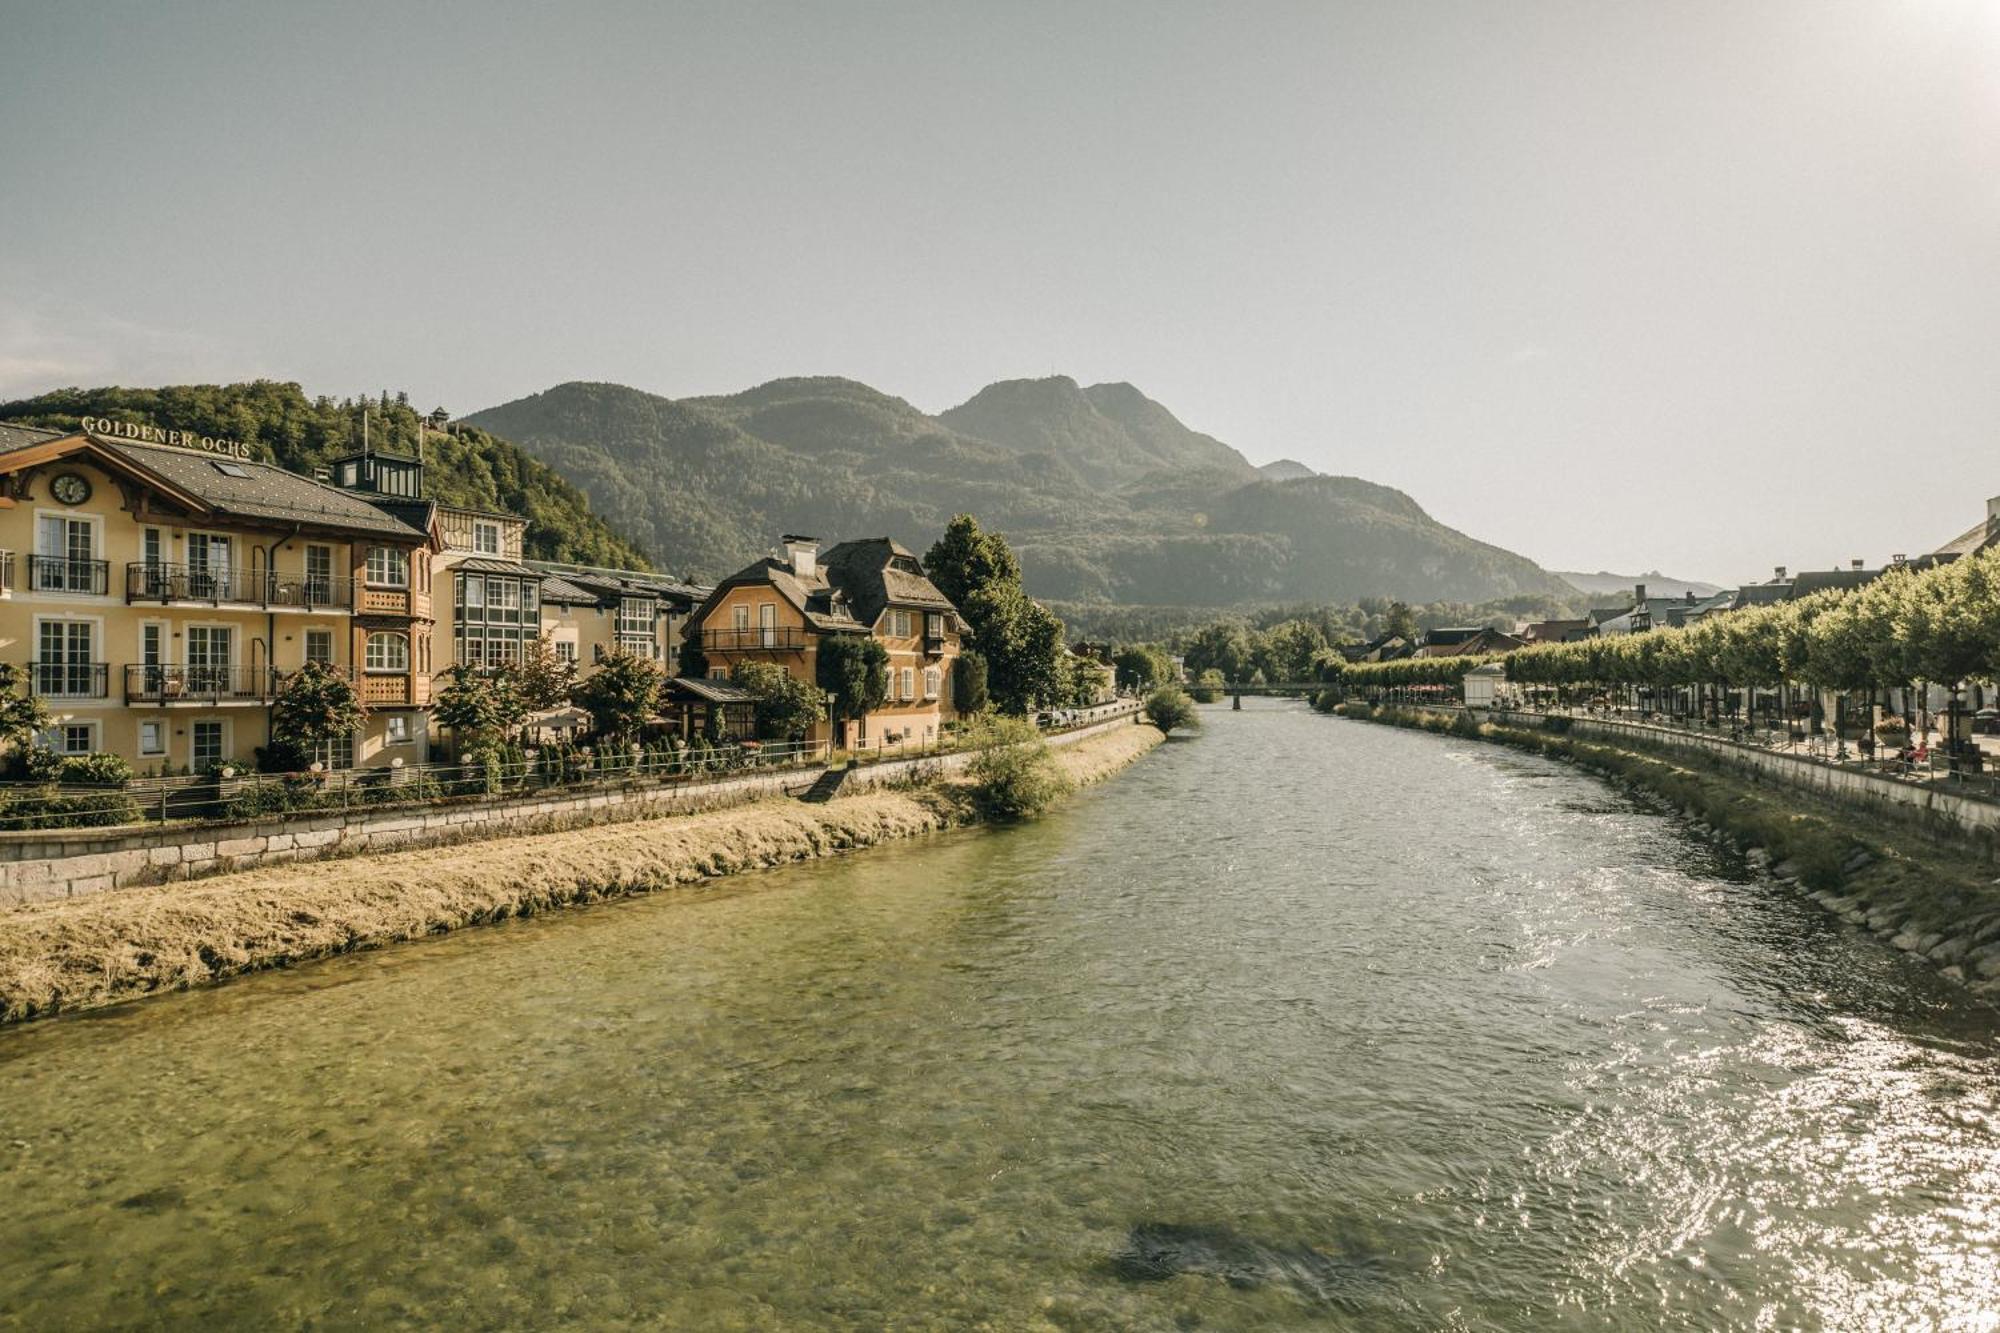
[402, 602]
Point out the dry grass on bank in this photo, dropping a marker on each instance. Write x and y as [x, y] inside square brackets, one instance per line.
[86, 952]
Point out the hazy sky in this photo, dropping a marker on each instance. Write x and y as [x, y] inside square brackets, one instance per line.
[1701, 286]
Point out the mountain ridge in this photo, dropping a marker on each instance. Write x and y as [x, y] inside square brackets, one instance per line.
[1104, 492]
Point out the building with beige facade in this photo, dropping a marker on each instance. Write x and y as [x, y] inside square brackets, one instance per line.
[781, 609]
[155, 591]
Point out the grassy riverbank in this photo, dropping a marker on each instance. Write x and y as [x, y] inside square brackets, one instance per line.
[1925, 891]
[86, 952]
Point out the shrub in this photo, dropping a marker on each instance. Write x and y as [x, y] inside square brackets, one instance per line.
[1169, 707]
[1012, 775]
[96, 770]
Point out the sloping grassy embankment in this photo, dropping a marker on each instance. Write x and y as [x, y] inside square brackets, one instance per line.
[1926, 889]
[82, 953]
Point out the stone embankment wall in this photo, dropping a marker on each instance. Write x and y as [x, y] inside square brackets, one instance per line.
[1935, 800]
[37, 865]
[82, 952]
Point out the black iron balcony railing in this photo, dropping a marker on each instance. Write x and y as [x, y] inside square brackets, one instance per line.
[69, 680]
[147, 581]
[750, 640]
[56, 573]
[199, 684]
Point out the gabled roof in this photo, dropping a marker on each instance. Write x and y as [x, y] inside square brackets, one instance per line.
[822, 605]
[1819, 580]
[879, 572]
[263, 492]
[1971, 542]
[584, 583]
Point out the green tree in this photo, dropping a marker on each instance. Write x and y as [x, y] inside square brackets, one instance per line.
[314, 708]
[787, 708]
[620, 695]
[1142, 666]
[1224, 646]
[968, 682]
[1022, 641]
[544, 679]
[1169, 707]
[854, 669]
[477, 706]
[23, 716]
[1208, 686]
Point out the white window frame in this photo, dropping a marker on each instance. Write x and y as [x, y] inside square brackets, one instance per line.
[305, 644]
[98, 651]
[56, 736]
[95, 522]
[395, 722]
[909, 682]
[739, 616]
[395, 570]
[481, 527]
[933, 681]
[384, 636]
[159, 750]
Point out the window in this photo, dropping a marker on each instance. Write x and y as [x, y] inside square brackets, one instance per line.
[205, 744]
[208, 565]
[899, 624]
[485, 537]
[388, 652]
[767, 624]
[319, 645]
[65, 555]
[396, 730]
[635, 626]
[72, 738]
[933, 682]
[934, 625]
[566, 650]
[506, 596]
[152, 738]
[209, 656]
[65, 659]
[909, 683]
[740, 617]
[153, 547]
[388, 567]
[319, 573]
[474, 593]
[229, 469]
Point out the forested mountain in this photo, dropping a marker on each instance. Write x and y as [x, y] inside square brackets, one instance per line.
[465, 467]
[1104, 494]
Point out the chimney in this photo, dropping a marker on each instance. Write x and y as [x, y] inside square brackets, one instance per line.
[1899, 559]
[1857, 566]
[1993, 514]
[1638, 594]
[803, 554]
[1690, 596]
[1781, 575]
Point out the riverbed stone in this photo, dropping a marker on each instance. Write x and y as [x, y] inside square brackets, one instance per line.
[1950, 951]
[1905, 941]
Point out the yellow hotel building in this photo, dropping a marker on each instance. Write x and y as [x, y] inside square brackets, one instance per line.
[154, 593]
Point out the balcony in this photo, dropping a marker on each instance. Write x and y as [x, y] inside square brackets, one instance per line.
[69, 680]
[199, 684]
[264, 589]
[786, 639]
[60, 574]
[376, 601]
[398, 690]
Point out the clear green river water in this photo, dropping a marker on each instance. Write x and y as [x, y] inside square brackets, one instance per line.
[1297, 1024]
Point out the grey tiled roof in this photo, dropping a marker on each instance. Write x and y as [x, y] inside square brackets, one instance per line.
[865, 569]
[816, 599]
[486, 564]
[264, 491]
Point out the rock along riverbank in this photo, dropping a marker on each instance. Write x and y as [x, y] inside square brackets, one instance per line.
[84, 953]
[1925, 890]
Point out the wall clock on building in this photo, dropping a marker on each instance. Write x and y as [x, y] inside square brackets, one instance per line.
[70, 488]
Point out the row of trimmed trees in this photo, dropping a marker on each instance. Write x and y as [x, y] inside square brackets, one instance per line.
[1905, 630]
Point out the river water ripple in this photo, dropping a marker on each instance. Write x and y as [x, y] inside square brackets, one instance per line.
[1298, 1024]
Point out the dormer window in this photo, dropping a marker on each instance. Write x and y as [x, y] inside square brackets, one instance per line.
[485, 536]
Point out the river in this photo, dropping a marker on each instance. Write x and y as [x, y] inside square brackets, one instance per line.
[1300, 1023]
